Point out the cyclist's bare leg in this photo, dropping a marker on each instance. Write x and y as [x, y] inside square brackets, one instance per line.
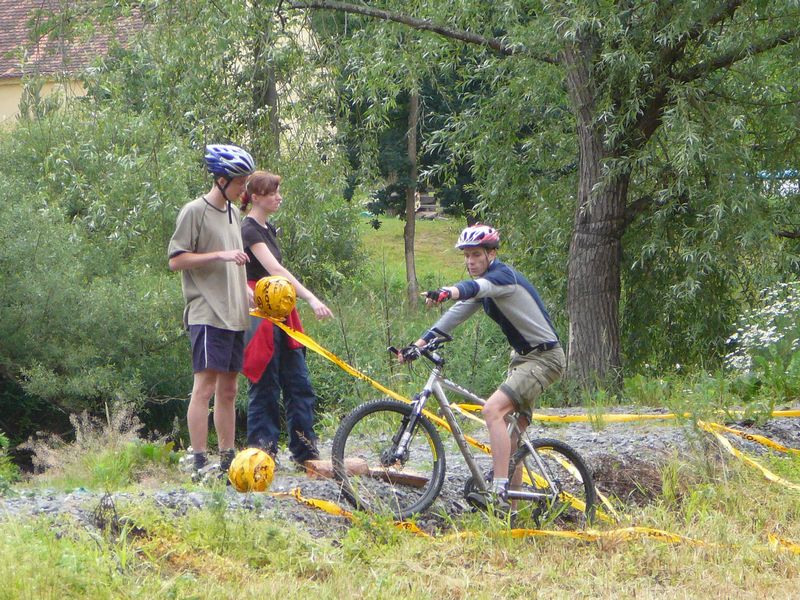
[516, 479]
[497, 407]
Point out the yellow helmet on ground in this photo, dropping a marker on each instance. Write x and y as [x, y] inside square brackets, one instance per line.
[275, 296]
[251, 471]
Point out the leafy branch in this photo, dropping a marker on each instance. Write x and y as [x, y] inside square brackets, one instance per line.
[495, 44]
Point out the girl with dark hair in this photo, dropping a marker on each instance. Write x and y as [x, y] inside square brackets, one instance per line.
[274, 362]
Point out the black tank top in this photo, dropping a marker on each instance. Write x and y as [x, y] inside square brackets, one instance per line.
[254, 233]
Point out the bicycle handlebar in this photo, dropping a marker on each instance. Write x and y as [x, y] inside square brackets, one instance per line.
[411, 353]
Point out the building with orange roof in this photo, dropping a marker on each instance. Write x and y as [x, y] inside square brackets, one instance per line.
[56, 62]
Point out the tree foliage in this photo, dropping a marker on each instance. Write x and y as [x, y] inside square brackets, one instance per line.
[623, 139]
[89, 311]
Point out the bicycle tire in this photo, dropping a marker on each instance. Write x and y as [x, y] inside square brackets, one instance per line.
[570, 473]
[404, 488]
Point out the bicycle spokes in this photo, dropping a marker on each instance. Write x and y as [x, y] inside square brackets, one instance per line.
[403, 469]
[555, 481]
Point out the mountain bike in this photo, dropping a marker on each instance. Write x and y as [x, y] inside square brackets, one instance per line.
[389, 456]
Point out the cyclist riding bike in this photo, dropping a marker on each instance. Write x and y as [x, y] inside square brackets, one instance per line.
[537, 359]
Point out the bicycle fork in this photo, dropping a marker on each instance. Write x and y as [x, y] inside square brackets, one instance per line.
[398, 452]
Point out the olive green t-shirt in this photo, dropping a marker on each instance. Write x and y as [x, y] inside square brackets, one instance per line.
[216, 293]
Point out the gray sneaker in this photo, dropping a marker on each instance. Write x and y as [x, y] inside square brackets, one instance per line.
[490, 500]
[186, 462]
[209, 474]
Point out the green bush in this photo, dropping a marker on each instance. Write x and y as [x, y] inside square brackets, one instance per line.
[89, 311]
[9, 473]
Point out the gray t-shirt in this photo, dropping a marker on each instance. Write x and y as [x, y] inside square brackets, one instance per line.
[216, 293]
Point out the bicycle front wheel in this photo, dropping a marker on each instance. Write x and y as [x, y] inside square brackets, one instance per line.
[379, 476]
[558, 483]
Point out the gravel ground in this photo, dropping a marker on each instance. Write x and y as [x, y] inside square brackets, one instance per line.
[625, 459]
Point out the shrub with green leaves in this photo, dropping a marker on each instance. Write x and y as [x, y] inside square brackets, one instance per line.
[9, 472]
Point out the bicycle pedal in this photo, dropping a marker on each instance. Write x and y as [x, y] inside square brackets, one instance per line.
[487, 501]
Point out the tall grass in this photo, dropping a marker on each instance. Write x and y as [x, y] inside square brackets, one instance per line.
[105, 454]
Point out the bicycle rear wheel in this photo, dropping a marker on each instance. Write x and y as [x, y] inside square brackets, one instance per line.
[565, 485]
[365, 459]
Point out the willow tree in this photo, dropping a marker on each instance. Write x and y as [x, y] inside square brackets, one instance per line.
[624, 69]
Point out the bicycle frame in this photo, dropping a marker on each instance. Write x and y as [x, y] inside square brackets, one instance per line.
[436, 386]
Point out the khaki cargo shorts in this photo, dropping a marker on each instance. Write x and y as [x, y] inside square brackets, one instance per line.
[529, 375]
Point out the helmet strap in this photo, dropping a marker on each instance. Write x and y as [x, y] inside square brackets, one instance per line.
[221, 188]
[224, 195]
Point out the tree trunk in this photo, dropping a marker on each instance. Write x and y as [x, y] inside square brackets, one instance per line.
[595, 252]
[265, 89]
[411, 194]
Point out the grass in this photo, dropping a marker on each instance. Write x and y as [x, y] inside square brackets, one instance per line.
[437, 260]
[145, 552]
[209, 553]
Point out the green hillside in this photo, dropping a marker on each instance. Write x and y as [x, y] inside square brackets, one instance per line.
[437, 260]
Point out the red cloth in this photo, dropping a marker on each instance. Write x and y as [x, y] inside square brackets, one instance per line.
[260, 347]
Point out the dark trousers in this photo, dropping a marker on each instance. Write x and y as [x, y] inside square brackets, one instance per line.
[286, 372]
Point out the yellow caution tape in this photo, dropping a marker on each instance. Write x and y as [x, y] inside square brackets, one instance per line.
[746, 459]
[593, 535]
[627, 534]
[754, 437]
[334, 509]
[589, 535]
[623, 417]
[605, 418]
[468, 414]
[329, 507]
[784, 544]
[468, 407]
[409, 526]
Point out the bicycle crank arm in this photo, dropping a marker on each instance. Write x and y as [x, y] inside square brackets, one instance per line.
[520, 495]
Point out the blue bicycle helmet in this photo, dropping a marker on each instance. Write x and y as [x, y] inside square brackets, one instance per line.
[228, 161]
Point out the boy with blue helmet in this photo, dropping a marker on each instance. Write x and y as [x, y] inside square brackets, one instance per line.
[207, 248]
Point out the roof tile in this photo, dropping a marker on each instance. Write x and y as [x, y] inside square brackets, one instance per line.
[20, 55]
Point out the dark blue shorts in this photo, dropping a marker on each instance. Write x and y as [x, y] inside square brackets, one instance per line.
[216, 349]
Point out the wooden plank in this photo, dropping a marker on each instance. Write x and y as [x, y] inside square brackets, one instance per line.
[323, 469]
[408, 478]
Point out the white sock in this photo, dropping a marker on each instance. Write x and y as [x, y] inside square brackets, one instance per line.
[499, 484]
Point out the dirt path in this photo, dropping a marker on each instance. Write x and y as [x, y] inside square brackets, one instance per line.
[626, 460]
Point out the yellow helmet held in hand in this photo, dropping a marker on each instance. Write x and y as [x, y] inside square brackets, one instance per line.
[251, 471]
[275, 296]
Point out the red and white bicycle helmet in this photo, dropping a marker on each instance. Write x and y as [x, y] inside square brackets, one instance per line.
[479, 235]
